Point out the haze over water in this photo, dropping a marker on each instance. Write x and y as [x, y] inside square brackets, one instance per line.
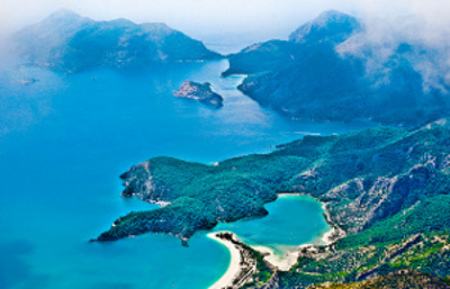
[65, 140]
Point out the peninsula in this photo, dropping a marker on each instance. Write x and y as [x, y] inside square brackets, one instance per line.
[371, 181]
[326, 71]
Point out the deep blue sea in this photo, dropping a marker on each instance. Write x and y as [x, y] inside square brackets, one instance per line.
[65, 139]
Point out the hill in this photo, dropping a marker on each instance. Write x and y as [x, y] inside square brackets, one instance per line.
[387, 190]
[331, 70]
[67, 42]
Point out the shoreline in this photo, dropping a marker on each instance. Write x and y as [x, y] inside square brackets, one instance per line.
[282, 263]
[336, 233]
[290, 258]
[329, 237]
[234, 269]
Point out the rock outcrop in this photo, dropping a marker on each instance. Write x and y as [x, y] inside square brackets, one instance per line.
[201, 92]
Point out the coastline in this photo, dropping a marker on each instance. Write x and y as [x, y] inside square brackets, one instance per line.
[336, 233]
[162, 204]
[234, 269]
[237, 265]
[283, 263]
[329, 237]
[289, 259]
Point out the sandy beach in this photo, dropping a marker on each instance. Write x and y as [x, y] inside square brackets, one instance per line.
[327, 238]
[233, 269]
[283, 262]
[290, 257]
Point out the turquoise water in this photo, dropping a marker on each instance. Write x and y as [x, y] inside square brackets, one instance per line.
[64, 141]
[292, 221]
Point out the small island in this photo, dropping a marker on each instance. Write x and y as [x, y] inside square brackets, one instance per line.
[28, 81]
[202, 92]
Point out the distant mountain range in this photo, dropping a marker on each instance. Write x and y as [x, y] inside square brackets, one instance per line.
[329, 69]
[67, 42]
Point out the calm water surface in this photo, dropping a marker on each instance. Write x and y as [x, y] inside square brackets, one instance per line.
[64, 141]
[292, 221]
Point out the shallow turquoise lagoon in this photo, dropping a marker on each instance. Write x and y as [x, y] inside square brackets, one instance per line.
[293, 220]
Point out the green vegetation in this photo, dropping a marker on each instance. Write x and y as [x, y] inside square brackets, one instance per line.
[387, 188]
[406, 279]
[67, 42]
[319, 74]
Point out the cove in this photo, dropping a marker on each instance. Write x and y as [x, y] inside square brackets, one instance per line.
[293, 220]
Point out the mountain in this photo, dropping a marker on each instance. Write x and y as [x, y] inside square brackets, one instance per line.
[327, 30]
[331, 27]
[68, 42]
[262, 57]
[330, 70]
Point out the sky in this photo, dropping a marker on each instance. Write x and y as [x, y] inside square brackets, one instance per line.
[254, 19]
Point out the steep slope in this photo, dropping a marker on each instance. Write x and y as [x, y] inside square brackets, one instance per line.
[39, 42]
[329, 70]
[327, 30]
[68, 42]
[262, 57]
[372, 180]
[331, 27]
[405, 279]
[386, 188]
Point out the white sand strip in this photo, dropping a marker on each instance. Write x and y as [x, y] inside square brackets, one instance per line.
[235, 265]
[282, 262]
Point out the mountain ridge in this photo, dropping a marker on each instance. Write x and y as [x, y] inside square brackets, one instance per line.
[330, 71]
[330, 26]
[67, 42]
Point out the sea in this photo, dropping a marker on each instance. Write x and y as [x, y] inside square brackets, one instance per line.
[66, 138]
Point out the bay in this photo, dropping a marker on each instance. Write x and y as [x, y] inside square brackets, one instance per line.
[65, 139]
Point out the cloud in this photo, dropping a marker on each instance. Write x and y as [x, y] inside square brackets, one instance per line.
[412, 19]
[259, 19]
[422, 24]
